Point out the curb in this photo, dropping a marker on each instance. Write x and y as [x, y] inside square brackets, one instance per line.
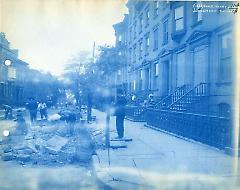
[102, 183]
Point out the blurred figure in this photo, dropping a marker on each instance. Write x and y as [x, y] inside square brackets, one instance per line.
[134, 100]
[21, 127]
[8, 111]
[32, 106]
[149, 102]
[71, 120]
[43, 109]
[120, 112]
[89, 107]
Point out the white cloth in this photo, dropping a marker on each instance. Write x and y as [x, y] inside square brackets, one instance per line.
[54, 117]
[42, 106]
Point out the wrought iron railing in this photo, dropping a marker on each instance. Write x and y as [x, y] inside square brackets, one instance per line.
[185, 102]
[135, 113]
[212, 130]
[169, 99]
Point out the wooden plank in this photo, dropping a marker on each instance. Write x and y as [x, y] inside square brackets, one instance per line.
[122, 139]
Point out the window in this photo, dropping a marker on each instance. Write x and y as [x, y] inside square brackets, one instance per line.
[225, 57]
[119, 72]
[147, 17]
[147, 45]
[165, 32]
[197, 16]
[12, 73]
[179, 18]
[141, 74]
[120, 38]
[155, 36]
[140, 23]
[156, 7]
[156, 70]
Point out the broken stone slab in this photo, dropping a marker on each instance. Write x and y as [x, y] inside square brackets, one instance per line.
[8, 157]
[25, 151]
[7, 149]
[54, 145]
[23, 158]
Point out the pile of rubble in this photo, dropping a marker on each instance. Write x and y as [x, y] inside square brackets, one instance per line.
[50, 145]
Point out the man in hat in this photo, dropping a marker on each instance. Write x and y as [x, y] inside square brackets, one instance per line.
[120, 112]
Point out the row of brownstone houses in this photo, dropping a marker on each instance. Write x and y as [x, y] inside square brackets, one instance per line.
[182, 52]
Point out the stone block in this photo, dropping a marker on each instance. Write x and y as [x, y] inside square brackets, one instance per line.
[23, 158]
[8, 157]
[54, 145]
[7, 149]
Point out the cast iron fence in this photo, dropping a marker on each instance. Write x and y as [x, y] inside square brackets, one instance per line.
[211, 130]
[135, 113]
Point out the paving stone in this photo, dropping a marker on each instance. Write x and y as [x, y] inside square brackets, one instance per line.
[23, 158]
[54, 145]
[8, 157]
[25, 151]
[7, 149]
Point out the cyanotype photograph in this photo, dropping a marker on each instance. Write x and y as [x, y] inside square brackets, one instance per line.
[119, 94]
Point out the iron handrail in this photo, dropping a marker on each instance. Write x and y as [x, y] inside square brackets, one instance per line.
[190, 91]
[170, 95]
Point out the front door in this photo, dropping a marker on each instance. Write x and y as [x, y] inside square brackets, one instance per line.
[200, 65]
[147, 81]
[181, 69]
[165, 77]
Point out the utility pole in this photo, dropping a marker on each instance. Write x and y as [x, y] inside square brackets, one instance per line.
[107, 135]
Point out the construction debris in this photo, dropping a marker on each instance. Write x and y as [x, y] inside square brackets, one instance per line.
[48, 145]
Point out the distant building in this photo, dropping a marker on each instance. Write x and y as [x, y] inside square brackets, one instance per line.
[13, 76]
[176, 47]
[121, 76]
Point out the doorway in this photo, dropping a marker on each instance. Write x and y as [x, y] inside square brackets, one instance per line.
[165, 77]
[200, 65]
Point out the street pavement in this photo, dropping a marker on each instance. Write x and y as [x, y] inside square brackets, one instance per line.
[156, 160]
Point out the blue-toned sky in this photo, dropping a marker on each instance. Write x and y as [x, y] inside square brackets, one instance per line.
[49, 32]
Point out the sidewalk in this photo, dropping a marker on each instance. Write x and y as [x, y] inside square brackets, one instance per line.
[155, 160]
